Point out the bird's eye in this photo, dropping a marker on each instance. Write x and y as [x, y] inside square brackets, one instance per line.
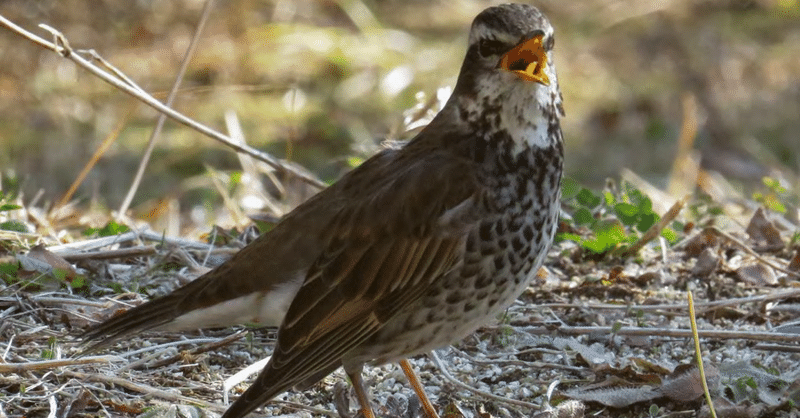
[489, 47]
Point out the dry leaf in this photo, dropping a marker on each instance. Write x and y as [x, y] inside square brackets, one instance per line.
[757, 274]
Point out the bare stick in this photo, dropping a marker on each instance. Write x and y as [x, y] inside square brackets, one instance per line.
[140, 388]
[98, 153]
[52, 364]
[172, 397]
[784, 337]
[699, 354]
[109, 254]
[62, 47]
[197, 350]
[151, 143]
[702, 307]
[655, 230]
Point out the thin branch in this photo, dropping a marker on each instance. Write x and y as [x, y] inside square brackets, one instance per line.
[173, 397]
[665, 332]
[655, 230]
[62, 47]
[139, 251]
[98, 153]
[52, 364]
[702, 307]
[197, 350]
[170, 396]
[151, 143]
[699, 355]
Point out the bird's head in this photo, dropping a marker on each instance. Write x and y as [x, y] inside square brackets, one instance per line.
[508, 73]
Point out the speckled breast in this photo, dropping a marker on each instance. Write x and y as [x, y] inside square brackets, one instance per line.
[500, 257]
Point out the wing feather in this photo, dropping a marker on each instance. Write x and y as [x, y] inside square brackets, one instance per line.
[376, 264]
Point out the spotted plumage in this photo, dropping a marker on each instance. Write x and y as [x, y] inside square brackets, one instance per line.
[415, 248]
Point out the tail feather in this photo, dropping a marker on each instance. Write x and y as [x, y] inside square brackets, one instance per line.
[140, 318]
[209, 301]
[150, 315]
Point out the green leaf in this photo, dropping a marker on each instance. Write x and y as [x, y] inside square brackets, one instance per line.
[606, 238]
[627, 213]
[8, 206]
[645, 205]
[749, 381]
[10, 269]
[14, 225]
[774, 185]
[775, 205]
[597, 246]
[567, 236]
[647, 220]
[588, 199]
[60, 274]
[670, 235]
[78, 282]
[654, 409]
[235, 178]
[112, 228]
[610, 198]
[583, 216]
[616, 327]
[614, 234]
[354, 162]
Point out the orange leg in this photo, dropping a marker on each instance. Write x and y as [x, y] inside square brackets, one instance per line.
[361, 393]
[427, 406]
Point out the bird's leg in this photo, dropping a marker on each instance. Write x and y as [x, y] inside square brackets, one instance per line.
[361, 393]
[427, 406]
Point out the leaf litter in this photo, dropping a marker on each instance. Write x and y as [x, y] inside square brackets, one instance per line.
[596, 334]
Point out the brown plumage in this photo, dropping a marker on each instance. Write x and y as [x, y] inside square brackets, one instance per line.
[413, 249]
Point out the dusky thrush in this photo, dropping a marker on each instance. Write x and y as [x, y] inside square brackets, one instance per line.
[410, 251]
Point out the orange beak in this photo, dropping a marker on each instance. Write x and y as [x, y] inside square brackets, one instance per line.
[527, 61]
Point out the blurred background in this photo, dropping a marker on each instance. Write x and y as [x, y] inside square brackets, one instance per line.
[648, 87]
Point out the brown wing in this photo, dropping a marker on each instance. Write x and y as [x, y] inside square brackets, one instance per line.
[383, 252]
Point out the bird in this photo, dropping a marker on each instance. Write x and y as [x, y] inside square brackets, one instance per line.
[412, 250]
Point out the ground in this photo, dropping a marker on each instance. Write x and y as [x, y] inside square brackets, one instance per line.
[695, 99]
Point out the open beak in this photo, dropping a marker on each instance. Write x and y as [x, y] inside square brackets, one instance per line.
[527, 61]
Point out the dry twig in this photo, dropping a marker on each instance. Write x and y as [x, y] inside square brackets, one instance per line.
[61, 46]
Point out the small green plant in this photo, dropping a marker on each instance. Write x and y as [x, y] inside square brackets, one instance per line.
[703, 210]
[775, 197]
[504, 335]
[110, 229]
[611, 220]
[744, 388]
[50, 352]
[9, 272]
[10, 225]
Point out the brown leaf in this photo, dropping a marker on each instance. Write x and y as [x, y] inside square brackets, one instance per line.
[763, 231]
[757, 274]
[707, 262]
[686, 385]
[613, 392]
[704, 239]
[794, 265]
[41, 260]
